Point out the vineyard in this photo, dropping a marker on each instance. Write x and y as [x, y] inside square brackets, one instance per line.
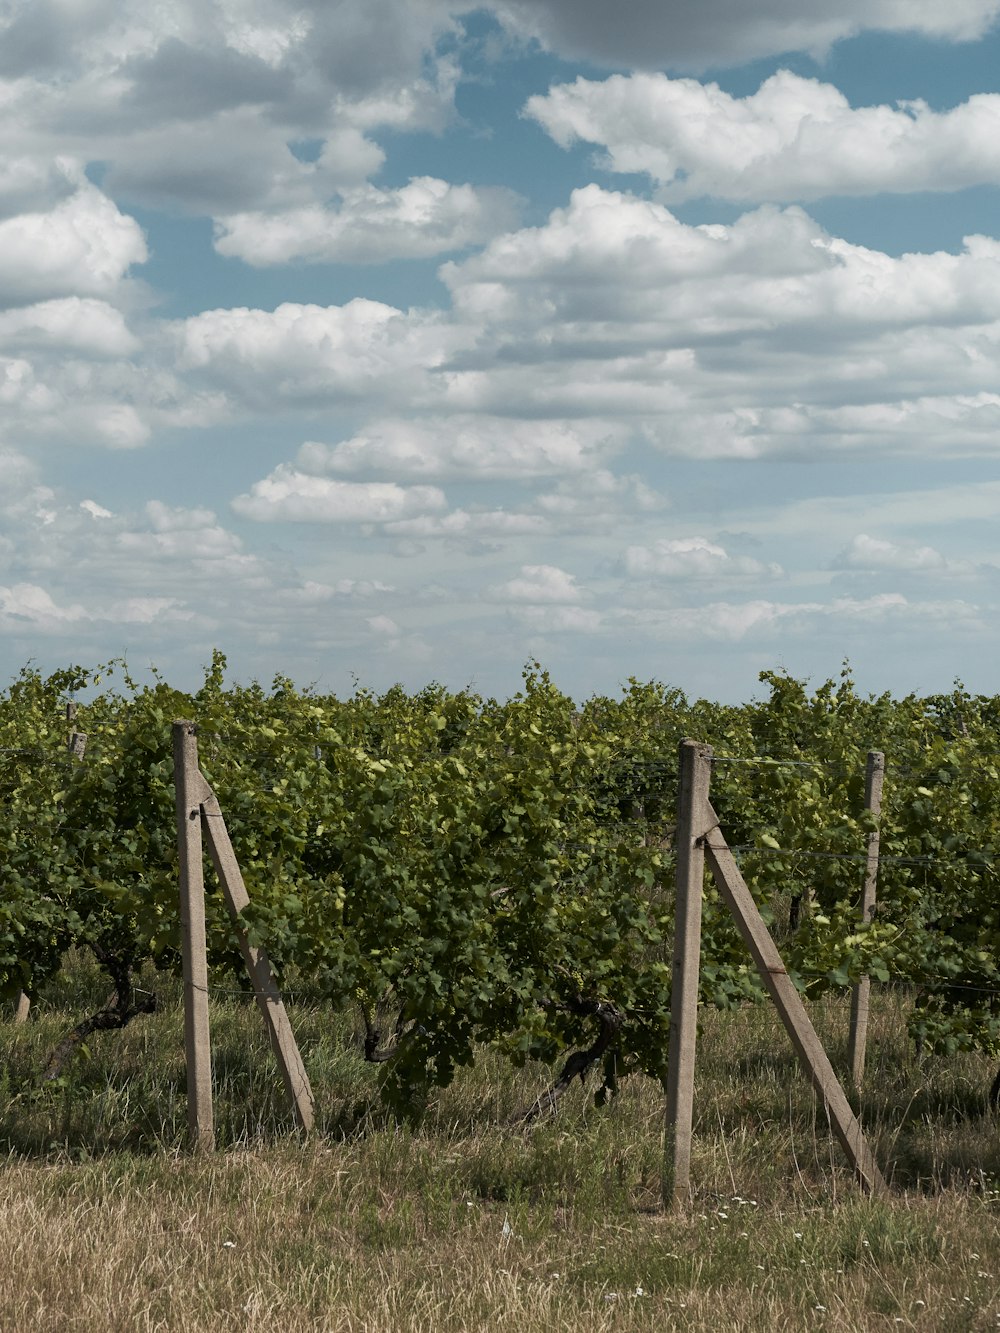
[469, 874]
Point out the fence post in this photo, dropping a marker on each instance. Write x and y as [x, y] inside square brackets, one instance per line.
[692, 824]
[858, 1038]
[77, 743]
[189, 786]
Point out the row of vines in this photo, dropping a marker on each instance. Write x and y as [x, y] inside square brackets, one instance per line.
[466, 871]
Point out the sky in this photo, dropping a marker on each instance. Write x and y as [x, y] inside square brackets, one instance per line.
[376, 341]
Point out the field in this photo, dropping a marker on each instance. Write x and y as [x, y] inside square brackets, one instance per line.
[495, 881]
[465, 1222]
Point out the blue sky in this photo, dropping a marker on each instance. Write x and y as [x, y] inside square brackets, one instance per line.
[399, 340]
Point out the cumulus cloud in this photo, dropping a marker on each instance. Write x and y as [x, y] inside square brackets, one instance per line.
[728, 340]
[685, 558]
[470, 526]
[369, 225]
[297, 496]
[80, 246]
[598, 499]
[540, 583]
[715, 32]
[74, 323]
[72, 384]
[609, 259]
[463, 445]
[33, 604]
[875, 553]
[203, 107]
[794, 139]
[194, 534]
[76, 570]
[308, 353]
[30, 606]
[954, 424]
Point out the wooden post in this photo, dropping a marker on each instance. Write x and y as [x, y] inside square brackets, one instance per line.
[77, 743]
[793, 1014]
[266, 993]
[692, 823]
[857, 1041]
[189, 784]
[23, 1008]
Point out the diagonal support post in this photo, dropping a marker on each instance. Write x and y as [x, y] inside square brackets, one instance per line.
[198, 813]
[793, 1014]
[266, 993]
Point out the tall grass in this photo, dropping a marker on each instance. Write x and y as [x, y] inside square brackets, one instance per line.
[465, 1223]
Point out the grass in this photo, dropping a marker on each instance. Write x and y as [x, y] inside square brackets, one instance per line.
[467, 1224]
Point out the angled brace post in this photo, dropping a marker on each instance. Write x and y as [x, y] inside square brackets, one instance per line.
[266, 993]
[793, 1014]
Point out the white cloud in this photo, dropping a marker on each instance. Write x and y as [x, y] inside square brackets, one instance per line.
[540, 583]
[296, 496]
[729, 340]
[81, 246]
[27, 602]
[28, 605]
[360, 587]
[76, 570]
[194, 534]
[202, 107]
[875, 553]
[469, 446]
[383, 625]
[368, 225]
[603, 265]
[476, 525]
[146, 611]
[598, 499]
[79, 324]
[309, 353]
[794, 139]
[651, 34]
[949, 424]
[685, 558]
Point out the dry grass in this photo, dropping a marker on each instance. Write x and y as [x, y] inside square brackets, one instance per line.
[466, 1224]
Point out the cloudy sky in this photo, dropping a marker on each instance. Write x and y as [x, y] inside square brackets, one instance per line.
[389, 340]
